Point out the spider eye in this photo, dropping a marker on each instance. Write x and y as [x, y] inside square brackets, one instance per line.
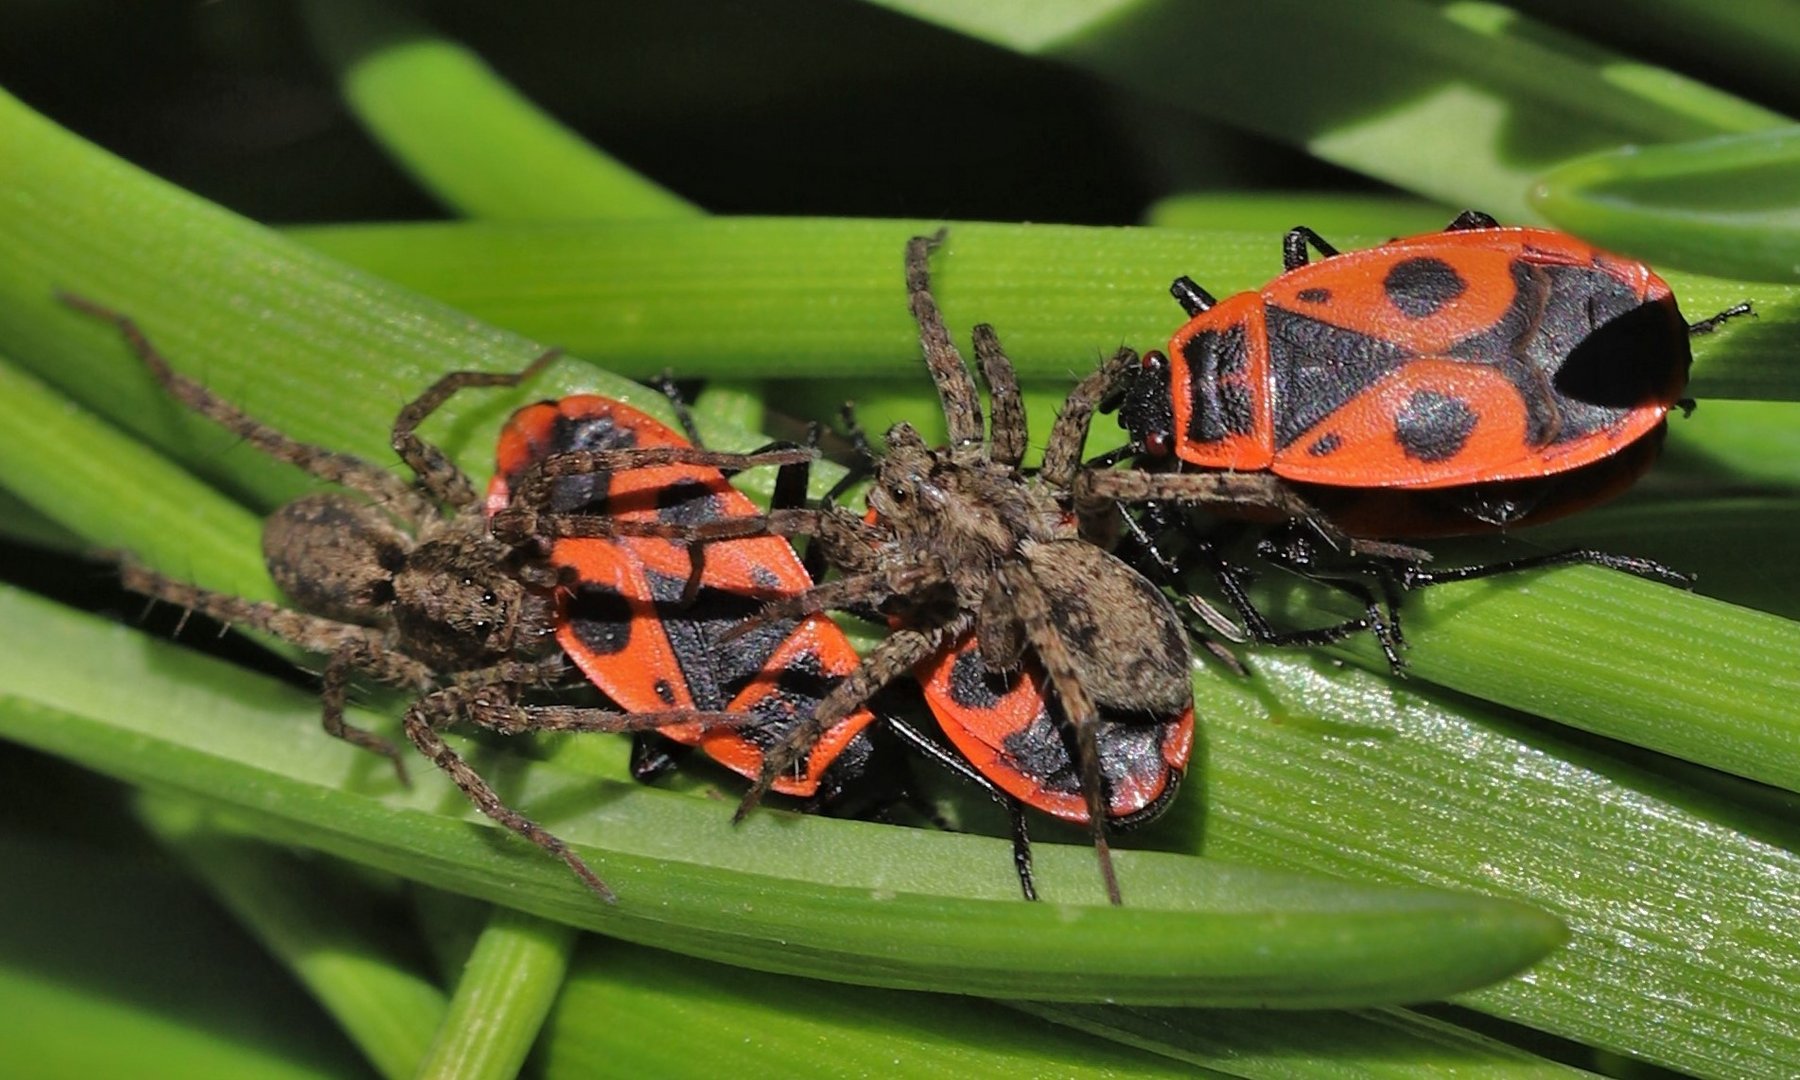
[488, 598]
[898, 494]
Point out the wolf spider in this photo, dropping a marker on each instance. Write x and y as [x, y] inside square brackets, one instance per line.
[403, 582]
[961, 541]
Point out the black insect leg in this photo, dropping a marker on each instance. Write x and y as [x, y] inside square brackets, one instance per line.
[1417, 577]
[1293, 247]
[1472, 219]
[937, 753]
[1192, 298]
[1713, 322]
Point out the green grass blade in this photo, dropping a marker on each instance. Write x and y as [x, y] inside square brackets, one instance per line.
[1680, 955]
[1737, 442]
[688, 1017]
[805, 298]
[1602, 662]
[161, 986]
[21, 524]
[119, 497]
[507, 988]
[322, 351]
[1274, 213]
[1462, 103]
[1727, 206]
[848, 901]
[466, 135]
[318, 926]
[1751, 42]
[1364, 1045]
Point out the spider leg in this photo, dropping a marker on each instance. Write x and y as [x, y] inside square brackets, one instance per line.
[1007, 431]
[311, 632]
[956, 389]
[1078, 709]
[1062, 454]
[514, 719]
[894, 657]
[329, 465]
[333, 686]
[422, 724]
[858, 592]
[1234, 489]
[437, 474]
[531, 493]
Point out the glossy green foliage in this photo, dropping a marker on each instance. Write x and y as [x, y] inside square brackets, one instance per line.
[1670, 875]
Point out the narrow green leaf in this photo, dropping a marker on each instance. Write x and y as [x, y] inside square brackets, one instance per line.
[21, 524]
[160, 986]
[465, 134]
[1737, 442]
[1274, 212]
[1602, 663]
[1727, 205]
[803, 298]
[103, 486]
[323, 352]
[1750, 43]
[1370, 1044]
[848, 901]
[1462, 103]
[321, 928]
[508, 986]
[1681, 954]
[689, 1017]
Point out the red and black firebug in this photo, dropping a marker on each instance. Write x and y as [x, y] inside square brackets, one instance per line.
[630, 613]
[1455, 382]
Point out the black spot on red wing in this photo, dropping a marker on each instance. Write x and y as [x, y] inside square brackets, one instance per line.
[600, 618]
[585, 493]
[1039, 751]
[1318, 367]
[713, 673]
[1433, 426]
[1217, 362]
[764, 578]
[1314, 296]
[688, 502]
[973, 686]
[1130, 755]
[1325, 444]
[1616, 350]
[798, 689]
[1420, 287]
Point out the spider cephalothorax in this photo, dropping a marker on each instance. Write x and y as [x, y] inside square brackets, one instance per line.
[404, 582]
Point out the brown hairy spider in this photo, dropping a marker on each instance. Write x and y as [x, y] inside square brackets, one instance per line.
[404, 583]
[961, 539]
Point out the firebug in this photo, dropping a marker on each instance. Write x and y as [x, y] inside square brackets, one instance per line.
[631, 616]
